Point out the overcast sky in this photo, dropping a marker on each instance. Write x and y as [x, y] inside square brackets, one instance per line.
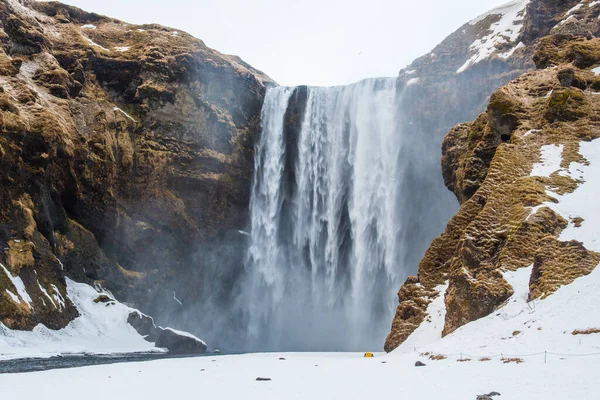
[315, 42]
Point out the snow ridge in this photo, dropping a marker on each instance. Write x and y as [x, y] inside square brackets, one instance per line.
[20, 286]
[506, 30]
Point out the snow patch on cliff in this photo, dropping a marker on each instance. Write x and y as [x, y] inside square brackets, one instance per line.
[20, 287]
[572, 10]
[431, 329]
[94, 44]
[551, 158]
[581, 203]
[506, 30]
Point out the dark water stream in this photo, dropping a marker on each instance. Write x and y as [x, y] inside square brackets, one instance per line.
[82, 360]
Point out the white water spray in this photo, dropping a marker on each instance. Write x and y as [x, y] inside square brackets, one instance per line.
[324, 262]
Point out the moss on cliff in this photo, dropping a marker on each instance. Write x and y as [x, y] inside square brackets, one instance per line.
[109, 138]
[502, 223]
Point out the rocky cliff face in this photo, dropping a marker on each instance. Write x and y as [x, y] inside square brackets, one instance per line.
[510, 169]
[124, 151]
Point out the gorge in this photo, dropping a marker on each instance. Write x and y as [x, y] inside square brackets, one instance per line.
[259, 217]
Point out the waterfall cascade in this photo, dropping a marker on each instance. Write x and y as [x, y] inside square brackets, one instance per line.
[326, 248]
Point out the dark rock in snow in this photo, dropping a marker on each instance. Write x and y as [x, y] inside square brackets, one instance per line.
[263, 379]
[178, 342]
[419, 364]
[103, 299]
[144, 325]
[488, 396]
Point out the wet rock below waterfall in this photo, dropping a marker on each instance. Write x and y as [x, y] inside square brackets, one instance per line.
[144, 325]
[178, 342]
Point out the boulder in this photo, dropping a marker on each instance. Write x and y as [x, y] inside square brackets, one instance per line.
[144, 325]
[178, 342]
[488, 396]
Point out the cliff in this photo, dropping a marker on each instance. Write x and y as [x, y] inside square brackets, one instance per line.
[523, 175]
[124, 149]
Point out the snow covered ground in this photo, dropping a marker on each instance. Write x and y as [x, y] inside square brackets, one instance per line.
[310, 376]
[101, 329]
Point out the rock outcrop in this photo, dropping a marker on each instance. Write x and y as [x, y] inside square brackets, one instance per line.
[124, 151]
[496, 165]
[179, 342]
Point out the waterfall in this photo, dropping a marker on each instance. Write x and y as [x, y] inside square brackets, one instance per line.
[326, 252]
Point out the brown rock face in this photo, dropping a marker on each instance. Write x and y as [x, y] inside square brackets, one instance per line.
[502, 223]
[123, 150]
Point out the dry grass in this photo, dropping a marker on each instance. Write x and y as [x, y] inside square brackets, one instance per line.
[588, 331]
[463, 360]
[485, 359]
[515, 360]
[437, 357]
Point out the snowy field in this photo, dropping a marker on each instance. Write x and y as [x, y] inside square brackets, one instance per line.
[311, 376]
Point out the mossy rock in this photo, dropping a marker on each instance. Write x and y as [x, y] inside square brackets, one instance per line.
[595, 83]
[567, 104]
[586, 54]
[154, 91]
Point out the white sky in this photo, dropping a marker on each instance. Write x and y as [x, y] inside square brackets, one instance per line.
[315, 42]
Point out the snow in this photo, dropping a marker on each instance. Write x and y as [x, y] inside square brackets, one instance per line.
[531, 132]
[430, 330]
[13, 296]
[580, 202]
[185, 334]
[412, 81]
[594, 3]
[98, 329]
[58, 297]
[45, 292]
[510, 53]
[20, 286]
[122, 49]
[410, 71]
[91, 42]
[551, 159]
[596, 71]
[572, 10]
[88, 26]
[506, 30]
[564, 21]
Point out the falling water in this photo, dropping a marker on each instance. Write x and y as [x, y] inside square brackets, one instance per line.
[324, 259]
